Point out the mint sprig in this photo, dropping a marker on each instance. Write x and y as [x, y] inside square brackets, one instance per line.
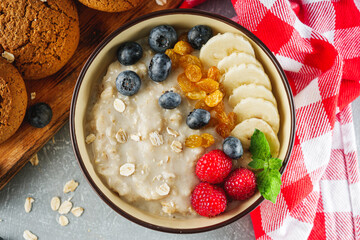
[269, 179]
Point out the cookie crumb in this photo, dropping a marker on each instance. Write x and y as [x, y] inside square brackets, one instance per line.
[32, 95]
[161, 2]
[77, 211]
[34, 160]
[63, 220]
[29, 235]
[28, 204]
[70, 186]
[8, 56]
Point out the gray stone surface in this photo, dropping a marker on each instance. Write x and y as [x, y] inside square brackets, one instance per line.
[58, 165]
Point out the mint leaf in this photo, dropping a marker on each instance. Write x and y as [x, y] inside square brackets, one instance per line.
[275, 163]
[269, 182]
[259, 146]
[257, 164]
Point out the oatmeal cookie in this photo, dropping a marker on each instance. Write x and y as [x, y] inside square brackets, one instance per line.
[111, 5]
[42, 35]
[13, 100]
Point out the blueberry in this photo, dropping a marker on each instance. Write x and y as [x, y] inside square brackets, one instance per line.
[162, 37]
[129, 53]
[39, 115]
[199, 35]
[128, 83]
[198, 118]
[232, 147]
[169, 100]
[160, 67]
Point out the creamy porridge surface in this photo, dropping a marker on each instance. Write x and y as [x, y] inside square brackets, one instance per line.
[140, 152]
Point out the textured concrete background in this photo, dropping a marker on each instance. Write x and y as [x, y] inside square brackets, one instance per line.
[58, 165]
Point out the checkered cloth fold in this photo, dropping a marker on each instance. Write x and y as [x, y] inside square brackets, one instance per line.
[317, 42]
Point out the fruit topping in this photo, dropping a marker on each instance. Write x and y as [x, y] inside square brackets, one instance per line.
[193, 72]
[162, 37]
[213, 167]
[214, 98]
[193, 141]
[174, 57]
[185, 84]
[188, 60]
[198, 118]
[208, 85]
[160, 67]
[214, 73]
[128, 83]
[208, 200]
[183, 48]
[232, 147]
[196, 95]
[169, 100]
[240, 184]
[129, 53]
[199, 35]
[223, 130]
[207, 140]
[39, 115]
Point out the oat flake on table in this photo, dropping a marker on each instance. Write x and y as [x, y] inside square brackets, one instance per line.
[28, 204]
[55, 203]
[161, 2]
[70, 186]
[63, 220]
[65, 207]
[77, 211]
[29, 235]
[34, 160]
[8, 56]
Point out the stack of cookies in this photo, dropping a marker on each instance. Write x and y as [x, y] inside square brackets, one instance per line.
[37, 38]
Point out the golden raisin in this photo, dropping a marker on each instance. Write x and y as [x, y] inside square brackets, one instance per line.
[222, 117]
[189, 60]
[208, 85]
[174, 57]
[214, 98]
[207, 140]
[220, 107]
[185, 84]
[183, 48]
[223, 130]
[232, 120]
[183, 37]
[201, 104]
[214, 73]
[193, 141]
[196, 95]
[193, 73]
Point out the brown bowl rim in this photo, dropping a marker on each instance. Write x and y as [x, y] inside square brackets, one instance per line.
[113, 35]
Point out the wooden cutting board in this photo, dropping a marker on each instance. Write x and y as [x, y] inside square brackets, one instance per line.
[57, 90]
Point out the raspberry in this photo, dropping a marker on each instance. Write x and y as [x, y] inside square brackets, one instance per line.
[240, 184]
[208, 200]
[213, 167]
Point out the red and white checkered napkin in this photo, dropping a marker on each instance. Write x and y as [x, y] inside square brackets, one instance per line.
[317, 42]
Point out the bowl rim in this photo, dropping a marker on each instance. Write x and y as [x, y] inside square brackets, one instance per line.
[131, 23]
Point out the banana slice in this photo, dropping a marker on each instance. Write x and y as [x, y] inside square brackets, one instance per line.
[251, 90]
[223, 45]
[258, 108]
[245, 74]
[236, 59]
[245, 130]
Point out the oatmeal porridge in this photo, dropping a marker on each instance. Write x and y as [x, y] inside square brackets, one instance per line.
[145, 145]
